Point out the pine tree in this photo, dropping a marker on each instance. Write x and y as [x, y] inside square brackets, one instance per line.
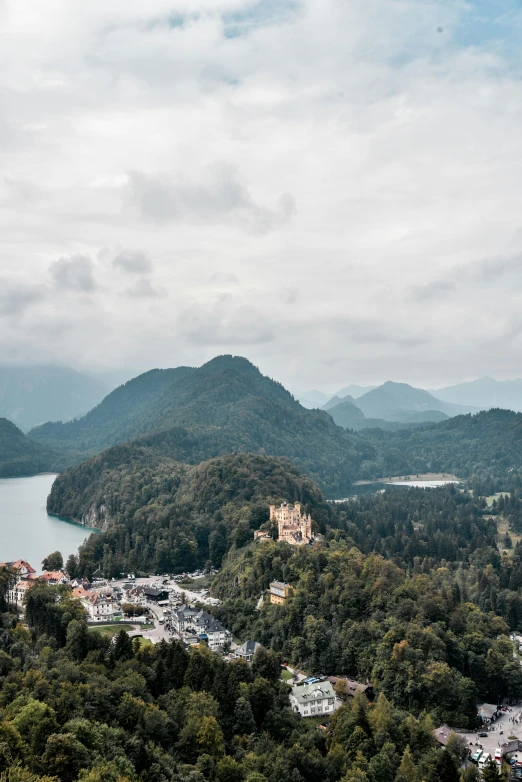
[244, 722]
[490, 772]
[407, 771]
[446, 769]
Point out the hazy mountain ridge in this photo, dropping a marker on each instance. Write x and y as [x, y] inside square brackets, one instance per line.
[485, 393]
[392, 399]
[19, 455]
[347, 413]
[33, 395]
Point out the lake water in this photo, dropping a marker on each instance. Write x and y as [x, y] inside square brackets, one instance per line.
[27, 531]
[421, 484]
[373, 488]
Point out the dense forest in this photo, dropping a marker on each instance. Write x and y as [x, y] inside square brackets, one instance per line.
[168, 517]
[19, 455]
[426, 646]
[479, 445]
[225, 406]
[74, 706]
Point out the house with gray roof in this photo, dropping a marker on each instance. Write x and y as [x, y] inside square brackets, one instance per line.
[182, 617]
[247, 650]
[312, 700]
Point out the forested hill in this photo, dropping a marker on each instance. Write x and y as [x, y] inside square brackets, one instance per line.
[486, 443]
[225, 406]
[161, 516]
[19, 455]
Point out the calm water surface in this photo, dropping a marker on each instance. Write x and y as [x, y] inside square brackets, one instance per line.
[26, 529]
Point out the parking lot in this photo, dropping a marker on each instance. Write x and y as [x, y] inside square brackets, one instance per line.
[502, 729]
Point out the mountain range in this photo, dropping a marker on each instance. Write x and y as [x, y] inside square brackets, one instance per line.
[33, 395]
[482, 394]
[485, 393]
[192, 414]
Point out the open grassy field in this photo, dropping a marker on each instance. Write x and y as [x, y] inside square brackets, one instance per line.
[489, 500]
[144, 641]
[285, 675]
[204, 582]
[503, 528]
[111, 630]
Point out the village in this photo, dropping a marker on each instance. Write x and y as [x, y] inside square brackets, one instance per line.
[163, 607]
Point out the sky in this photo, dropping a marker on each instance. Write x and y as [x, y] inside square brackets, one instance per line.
[331, 188]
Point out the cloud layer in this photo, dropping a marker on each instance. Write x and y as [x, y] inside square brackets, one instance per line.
[329, 188]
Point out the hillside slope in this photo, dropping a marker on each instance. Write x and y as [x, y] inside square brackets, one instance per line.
[124, 414]
[34, 394]
[19, 455]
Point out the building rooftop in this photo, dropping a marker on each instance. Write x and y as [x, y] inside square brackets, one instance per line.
[248, 648]
[304, 693]
[442, 734]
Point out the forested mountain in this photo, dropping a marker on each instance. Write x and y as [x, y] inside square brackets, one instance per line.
[485, 393]
[225, 406]
[19, 455]
[32, 395]
[487, 443]
[391, 400]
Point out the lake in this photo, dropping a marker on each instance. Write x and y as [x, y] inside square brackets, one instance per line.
[27, 531]
[373, 488]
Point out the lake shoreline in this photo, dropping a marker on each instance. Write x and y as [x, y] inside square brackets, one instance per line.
[428, 476]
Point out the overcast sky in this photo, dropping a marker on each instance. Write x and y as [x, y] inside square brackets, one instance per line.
[331, 188]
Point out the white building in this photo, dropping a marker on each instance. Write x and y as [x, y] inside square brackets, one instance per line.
[311, 700]
[99, 607]
[17, 592]
[210, 629]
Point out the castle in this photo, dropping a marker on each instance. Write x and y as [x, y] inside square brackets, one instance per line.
[293, 528]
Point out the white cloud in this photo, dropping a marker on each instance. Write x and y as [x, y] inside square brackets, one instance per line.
[344, 168]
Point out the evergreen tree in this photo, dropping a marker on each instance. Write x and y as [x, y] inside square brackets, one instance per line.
[490, 772]
[407, 771]
[445, 769]
[244, 722]
[122, 648]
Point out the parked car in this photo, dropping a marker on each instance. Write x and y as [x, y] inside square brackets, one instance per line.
[483, 735]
